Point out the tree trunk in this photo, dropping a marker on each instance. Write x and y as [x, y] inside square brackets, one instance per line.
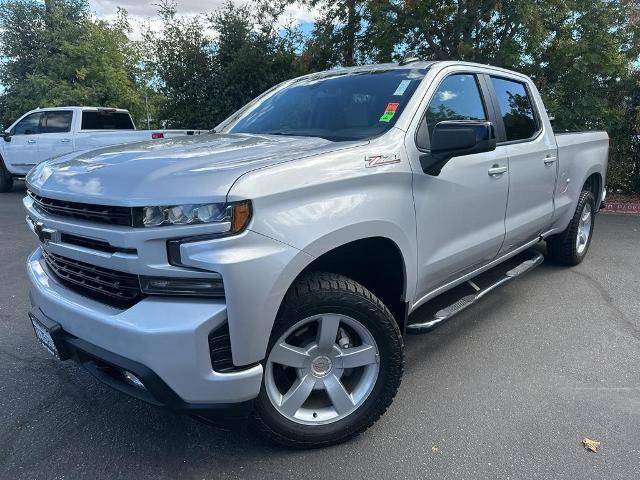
[350, 30]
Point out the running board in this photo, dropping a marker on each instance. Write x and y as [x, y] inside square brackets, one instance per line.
[465, 302]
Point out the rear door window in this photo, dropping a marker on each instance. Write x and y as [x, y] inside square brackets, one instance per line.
[29, 125]
[106, 120]
[57, 122]
[516, 109]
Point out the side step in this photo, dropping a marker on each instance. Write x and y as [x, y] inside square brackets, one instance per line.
[536, 258]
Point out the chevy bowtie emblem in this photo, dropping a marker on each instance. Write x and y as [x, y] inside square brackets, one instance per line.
[46, 235]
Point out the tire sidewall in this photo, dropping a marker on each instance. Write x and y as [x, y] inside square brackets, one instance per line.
[376, 320]
[586, 199]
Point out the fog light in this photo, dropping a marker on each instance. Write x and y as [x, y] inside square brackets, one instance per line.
[133, 380]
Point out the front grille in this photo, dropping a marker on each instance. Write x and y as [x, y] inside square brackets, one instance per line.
[83, 211]
[108, 286]
[220, 349]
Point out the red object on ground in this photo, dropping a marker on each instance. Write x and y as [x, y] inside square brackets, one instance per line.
[155, 136]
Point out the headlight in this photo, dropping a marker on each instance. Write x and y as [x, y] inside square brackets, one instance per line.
[232, 217]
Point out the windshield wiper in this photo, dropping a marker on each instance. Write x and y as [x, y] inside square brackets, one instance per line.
[292, 133]
[298, 133]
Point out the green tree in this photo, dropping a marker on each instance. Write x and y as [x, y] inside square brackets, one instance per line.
[56, 54]
[203, 79]
[336, 33]
[251, 53]
[179, 60]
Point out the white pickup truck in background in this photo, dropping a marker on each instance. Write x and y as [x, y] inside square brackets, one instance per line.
[49, 132]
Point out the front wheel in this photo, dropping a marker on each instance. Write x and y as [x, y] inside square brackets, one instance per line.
[571, 246]
[333, 366]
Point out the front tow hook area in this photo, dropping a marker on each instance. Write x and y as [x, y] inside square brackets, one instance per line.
[439, 310]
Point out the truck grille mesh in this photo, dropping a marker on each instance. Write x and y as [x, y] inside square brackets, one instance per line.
[108, 286]
[83, 211]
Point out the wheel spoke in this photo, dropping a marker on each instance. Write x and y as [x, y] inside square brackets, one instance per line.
[327, 331]
[288, 355]
[339, 397]
[358, 356]
[585, 215]
[297, 394]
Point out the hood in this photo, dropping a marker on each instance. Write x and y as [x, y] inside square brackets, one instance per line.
[187, 169]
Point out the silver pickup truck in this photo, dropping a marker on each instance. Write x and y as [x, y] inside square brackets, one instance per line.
[269, 271]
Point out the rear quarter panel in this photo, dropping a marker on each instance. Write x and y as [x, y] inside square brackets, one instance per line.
[580, 155]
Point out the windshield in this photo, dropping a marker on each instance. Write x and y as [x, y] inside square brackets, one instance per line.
[342, 106]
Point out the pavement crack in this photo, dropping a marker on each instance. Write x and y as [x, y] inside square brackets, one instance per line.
[622, 323]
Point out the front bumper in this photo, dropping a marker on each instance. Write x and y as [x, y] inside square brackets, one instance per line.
[162, 339]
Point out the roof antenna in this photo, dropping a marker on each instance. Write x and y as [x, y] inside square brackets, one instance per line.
[409, 57]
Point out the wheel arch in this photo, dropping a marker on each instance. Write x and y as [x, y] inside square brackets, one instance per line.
[593, 183]
[376, 262]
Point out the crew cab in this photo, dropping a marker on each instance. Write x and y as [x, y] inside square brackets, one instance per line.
[269, 270]
[49, 132]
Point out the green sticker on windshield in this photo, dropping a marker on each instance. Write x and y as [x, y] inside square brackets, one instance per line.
[387, 116]
[389, 112]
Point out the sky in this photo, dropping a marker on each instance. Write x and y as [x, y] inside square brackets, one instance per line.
[144, 10]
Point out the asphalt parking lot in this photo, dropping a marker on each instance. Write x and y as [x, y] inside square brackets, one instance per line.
[508, 389]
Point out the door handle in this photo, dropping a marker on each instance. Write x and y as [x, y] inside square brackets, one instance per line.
[497, 170]
[65, 140]
[31, 141]
[550, 160]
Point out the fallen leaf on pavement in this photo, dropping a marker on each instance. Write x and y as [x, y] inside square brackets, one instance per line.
[590, 444]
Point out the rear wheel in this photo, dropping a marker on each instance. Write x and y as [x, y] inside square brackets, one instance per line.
[571, 246]
[6, 180]
[333, 366]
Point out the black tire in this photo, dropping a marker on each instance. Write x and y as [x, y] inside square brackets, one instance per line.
[562, 248]
[330, 293]
[6, 180]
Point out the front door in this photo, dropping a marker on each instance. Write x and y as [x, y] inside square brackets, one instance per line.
[22, 150]
[460, 211]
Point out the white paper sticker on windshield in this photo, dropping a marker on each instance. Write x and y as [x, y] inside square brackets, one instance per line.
[402, 87]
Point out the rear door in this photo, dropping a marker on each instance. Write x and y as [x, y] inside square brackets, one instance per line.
[22, 151]
[55, 137]
[460, 211]
[532, 160]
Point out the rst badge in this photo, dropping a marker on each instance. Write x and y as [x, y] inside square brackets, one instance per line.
[371, 161]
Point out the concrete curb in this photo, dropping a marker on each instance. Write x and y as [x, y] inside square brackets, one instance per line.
[617, 207]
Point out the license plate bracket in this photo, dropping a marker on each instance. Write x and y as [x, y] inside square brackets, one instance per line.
[49, 334]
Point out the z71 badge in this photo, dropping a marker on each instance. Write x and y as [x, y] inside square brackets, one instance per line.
[380, 160]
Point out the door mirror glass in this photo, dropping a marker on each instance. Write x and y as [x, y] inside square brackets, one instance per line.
[6, 135]
[454, 138]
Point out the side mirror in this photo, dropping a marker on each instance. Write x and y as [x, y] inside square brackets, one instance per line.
[454, 138]
[6, 135]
